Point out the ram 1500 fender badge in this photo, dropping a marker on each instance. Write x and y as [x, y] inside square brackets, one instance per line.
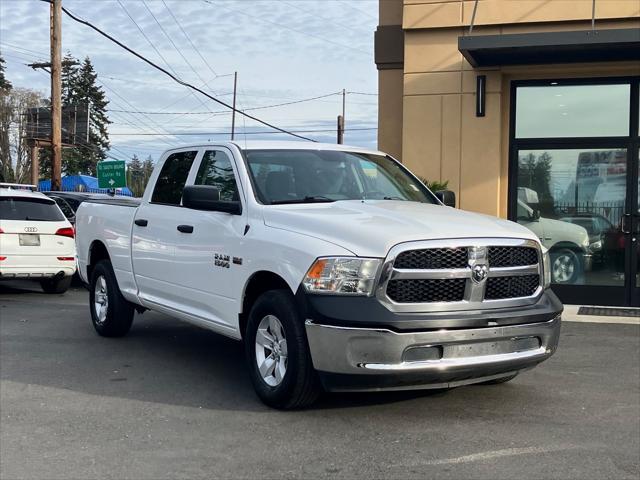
[221, 260]
[237, 260]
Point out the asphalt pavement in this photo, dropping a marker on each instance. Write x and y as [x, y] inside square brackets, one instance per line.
[171, 400]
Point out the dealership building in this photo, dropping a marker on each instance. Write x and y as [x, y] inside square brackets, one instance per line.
[530, 110]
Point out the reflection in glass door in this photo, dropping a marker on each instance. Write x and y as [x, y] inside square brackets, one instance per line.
[574, 182]
[574, 201]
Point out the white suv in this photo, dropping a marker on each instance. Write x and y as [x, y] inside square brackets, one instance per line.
[36, 240]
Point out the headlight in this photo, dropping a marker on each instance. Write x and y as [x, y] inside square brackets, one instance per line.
[596, 246]
[342, 275]
[546, 268]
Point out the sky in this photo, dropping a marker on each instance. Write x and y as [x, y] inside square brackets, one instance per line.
[283, 51]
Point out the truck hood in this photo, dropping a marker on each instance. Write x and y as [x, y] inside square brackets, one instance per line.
[369, 228]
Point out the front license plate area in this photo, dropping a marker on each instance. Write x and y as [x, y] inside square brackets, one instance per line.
[29, 240]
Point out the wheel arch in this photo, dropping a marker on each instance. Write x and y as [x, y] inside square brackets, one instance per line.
[97, 252]
[258, 283]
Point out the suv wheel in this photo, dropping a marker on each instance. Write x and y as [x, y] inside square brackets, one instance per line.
[59, 285]
[278, 354]
[111, 314]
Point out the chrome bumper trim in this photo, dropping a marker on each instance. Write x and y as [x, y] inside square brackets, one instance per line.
[362, 351]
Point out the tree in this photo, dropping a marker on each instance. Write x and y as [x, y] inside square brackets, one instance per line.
[79, 85]
[534, 172]
[147, 169]
[4, 83]
[135, 176]
[15, 161]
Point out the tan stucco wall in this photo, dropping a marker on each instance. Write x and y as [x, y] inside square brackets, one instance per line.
[390, 112]
[442, 139]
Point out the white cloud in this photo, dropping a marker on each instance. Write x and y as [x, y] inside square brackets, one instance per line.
[282, 50]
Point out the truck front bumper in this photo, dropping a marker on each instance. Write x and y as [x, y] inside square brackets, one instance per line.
[357, 359]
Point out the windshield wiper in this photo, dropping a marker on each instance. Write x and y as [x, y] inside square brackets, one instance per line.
[393, 198]
[33, 219]
[308, 199]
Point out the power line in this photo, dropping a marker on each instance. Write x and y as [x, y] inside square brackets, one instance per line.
[189, 39]
[173, 43]
[265, 132]
[175, 78]
[246, 109]
[152, 45]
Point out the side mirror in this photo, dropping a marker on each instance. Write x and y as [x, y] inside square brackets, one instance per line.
[206, 197]
[447, 197]
[536, 214]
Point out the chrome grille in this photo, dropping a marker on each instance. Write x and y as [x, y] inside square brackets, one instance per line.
[433, 258]
[438, 290]
[511, 287]
[461, 274]
[512, 256]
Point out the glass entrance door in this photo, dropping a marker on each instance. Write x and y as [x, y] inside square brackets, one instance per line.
[574, 183]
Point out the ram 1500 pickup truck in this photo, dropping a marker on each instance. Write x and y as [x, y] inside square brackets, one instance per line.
[336, 267]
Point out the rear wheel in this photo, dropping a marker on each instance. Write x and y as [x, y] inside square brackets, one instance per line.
[111, 314]
[59, 285]
[278, 354]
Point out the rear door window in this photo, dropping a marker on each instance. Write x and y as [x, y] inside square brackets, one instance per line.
[29, 209]
[172, 178]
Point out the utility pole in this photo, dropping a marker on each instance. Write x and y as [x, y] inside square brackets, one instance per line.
[341, 119]
[56, 92]
[233, 113]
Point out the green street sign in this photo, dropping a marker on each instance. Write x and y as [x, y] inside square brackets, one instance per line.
[112, 174]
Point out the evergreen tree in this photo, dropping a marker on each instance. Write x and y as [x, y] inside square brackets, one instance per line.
[147, 170]
[86, 90]
[4, 83]
[79, 85]
[135, 176]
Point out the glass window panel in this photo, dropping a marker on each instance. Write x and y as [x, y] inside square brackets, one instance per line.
[573, 111]
[216, 170]
[573, 200]
[173, 176]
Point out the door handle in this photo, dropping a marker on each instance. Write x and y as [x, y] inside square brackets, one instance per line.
[185, 228]
[141, 222]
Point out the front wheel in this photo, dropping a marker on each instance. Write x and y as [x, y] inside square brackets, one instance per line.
[111, 314]
[59, 285]
[565, 266]
[278, 354]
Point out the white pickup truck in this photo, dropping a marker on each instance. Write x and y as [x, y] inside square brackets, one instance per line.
[336, 267]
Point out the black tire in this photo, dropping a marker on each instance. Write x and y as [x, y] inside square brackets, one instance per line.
[300, 385]
[498, 381]
[118, 311]
[59, 285]
[569, 259]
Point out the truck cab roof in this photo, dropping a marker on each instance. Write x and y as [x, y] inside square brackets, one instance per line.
[281, 145]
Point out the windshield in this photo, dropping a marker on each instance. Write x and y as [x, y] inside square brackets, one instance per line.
[35, 209]
[310, 176]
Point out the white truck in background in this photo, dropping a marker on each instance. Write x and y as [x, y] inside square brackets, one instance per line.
[336, 267]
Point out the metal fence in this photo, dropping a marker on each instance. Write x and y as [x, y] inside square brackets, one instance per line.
[612, 211]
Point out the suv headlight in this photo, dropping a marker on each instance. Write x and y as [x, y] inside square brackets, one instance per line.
[546, 268]
[342, 275]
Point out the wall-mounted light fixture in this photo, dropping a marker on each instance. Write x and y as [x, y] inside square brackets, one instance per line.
[481, 82]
